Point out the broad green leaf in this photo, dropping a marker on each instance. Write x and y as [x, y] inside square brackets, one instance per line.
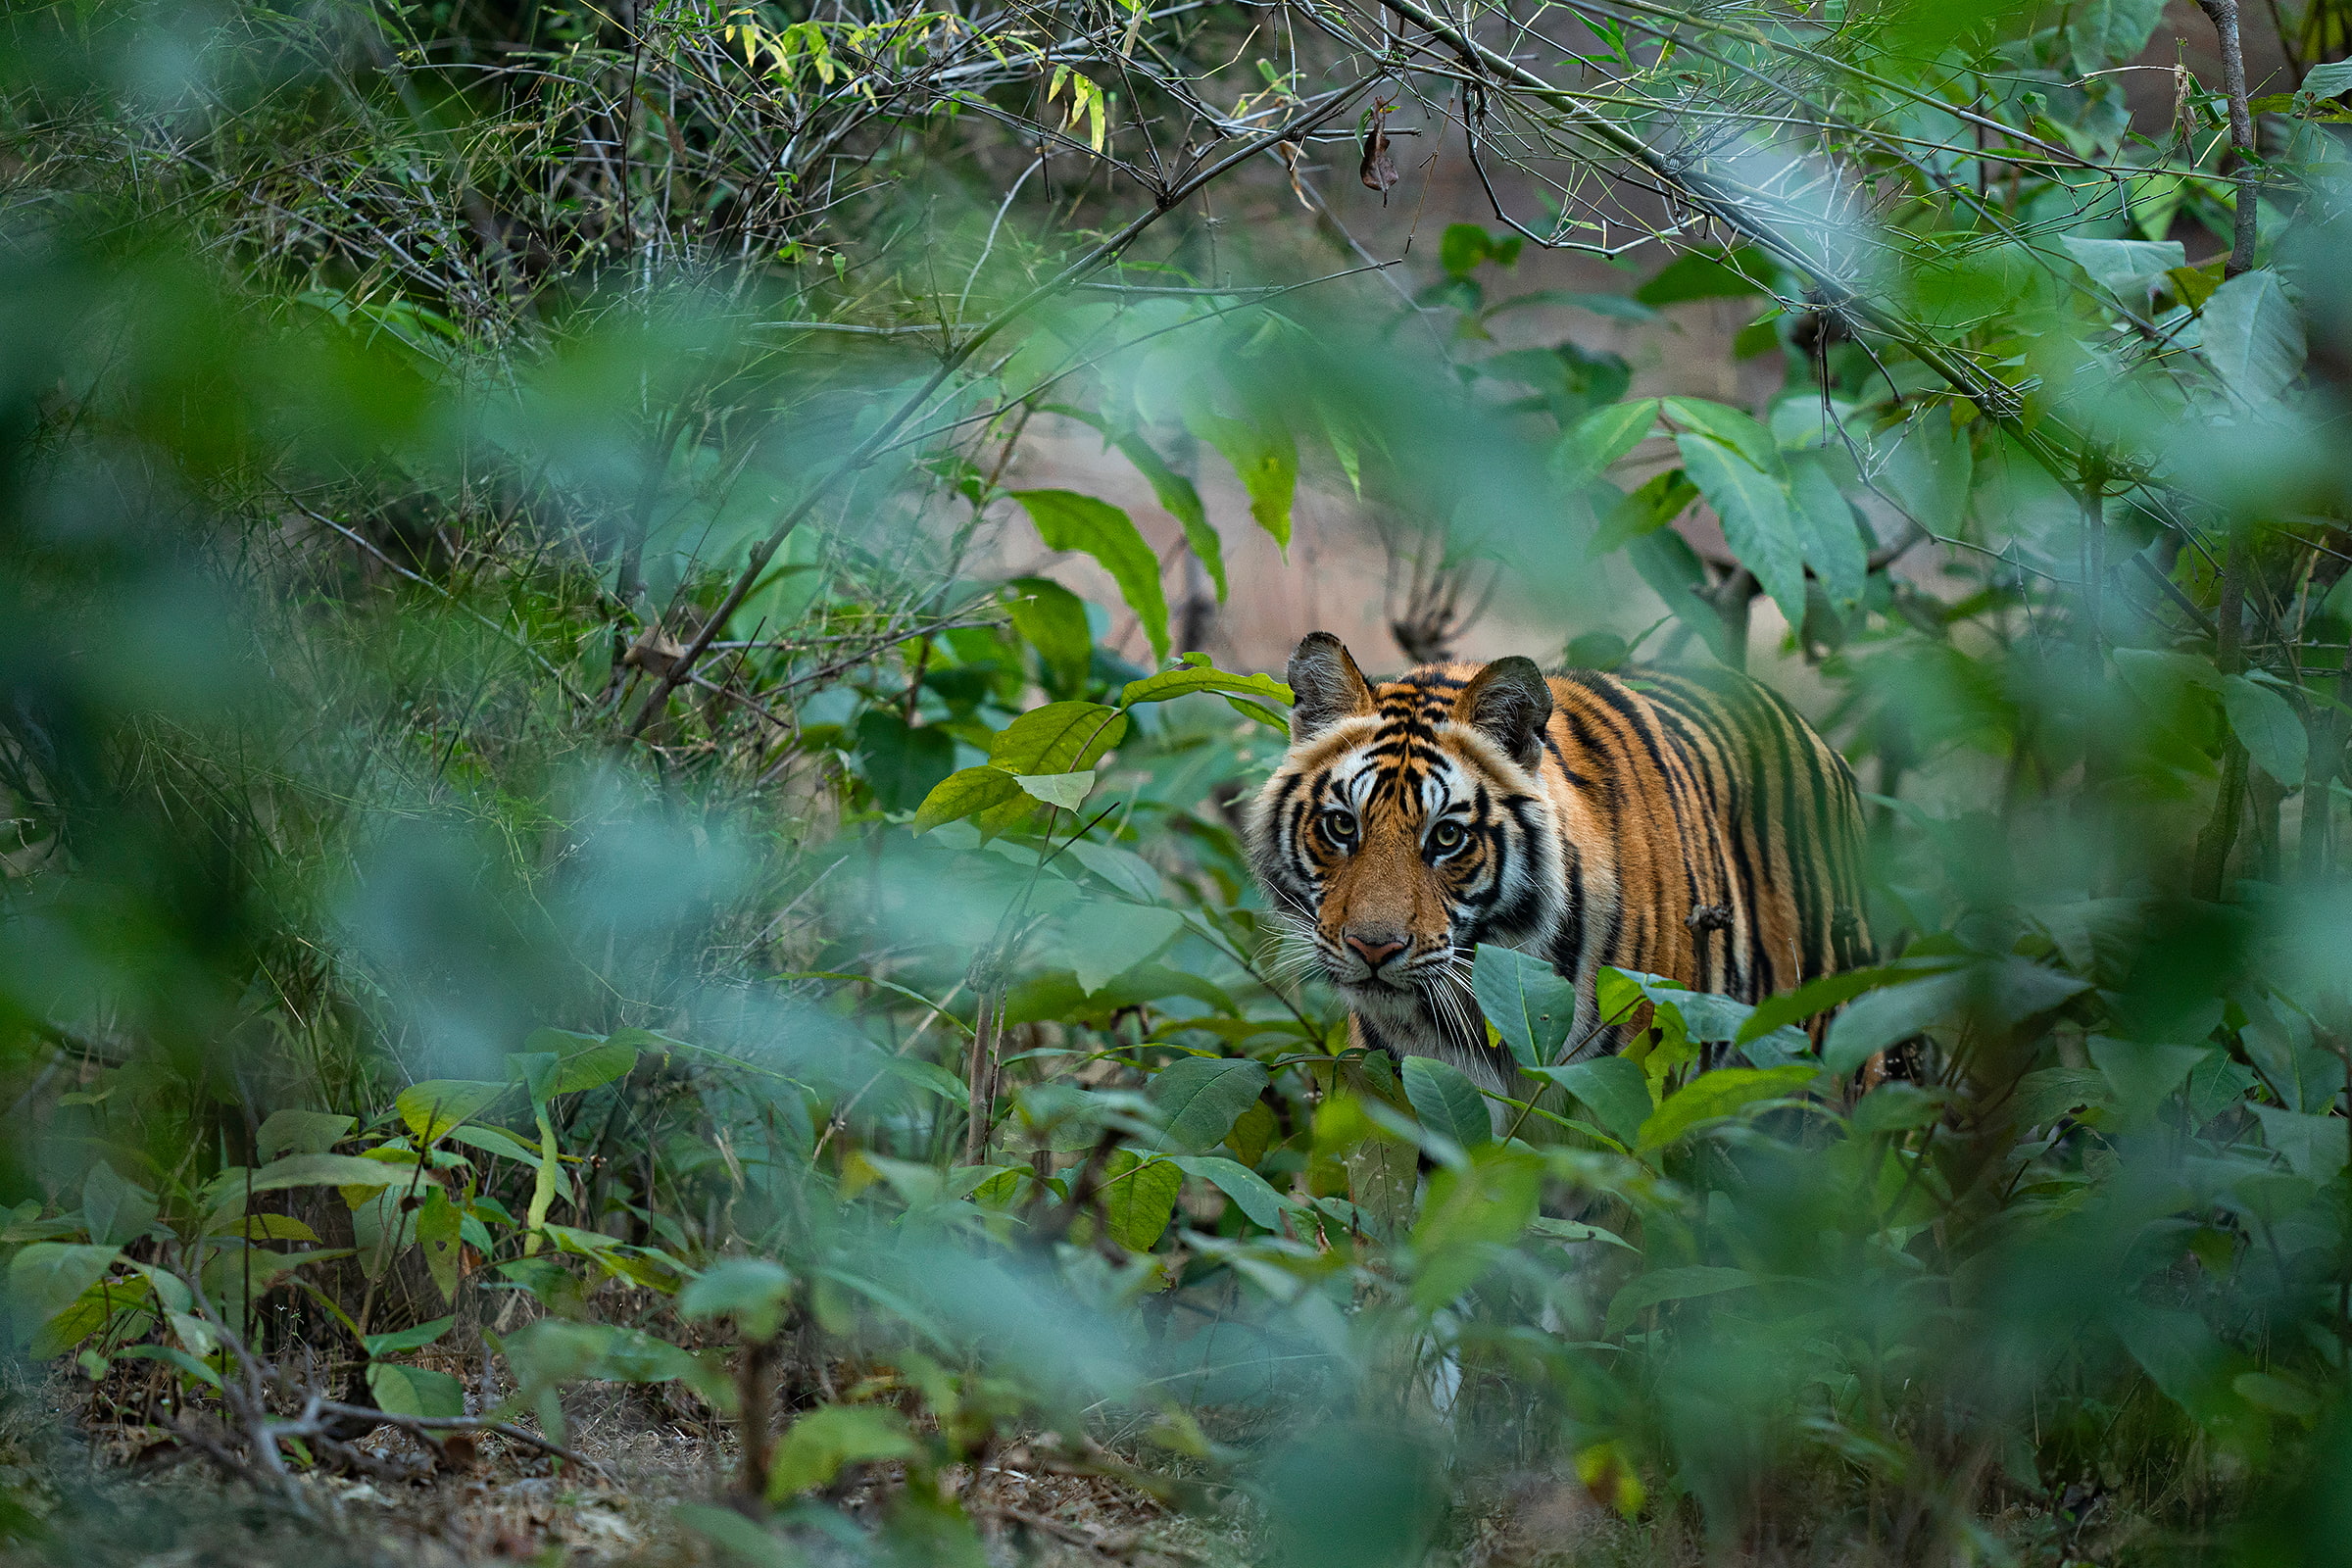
[1896, 1106]
[1138, 1197]
[1588, 448]
[45, 1278]
[1729, 425]
[1473, 1212]
[432, 1108]
[1696, 275]
[172, 1356]
[114, 1208]
[1754, 511]
[1671, 1284]
[1930, 470]
[1177, 493]
[406, 1339]
[439, 1232]
[337, 1170]
[2041, 1097]
[1448, 1103]
[1104, 939]
[1531, 1007]
[1069, 791]
[821, 1442]
[2104, 33]
[1675, 573]
[752, 1290]
[1058, 738]
[1812, 997]
[1616, 1090]
[1266, 458]
[301, 1132]
[902, 762]
[2142, 1075]
[1726, 1092]
[990, 794]
[1068, 521]
[2177, 1350]
[1824, 529]
[1887, 1018]
[493, 1141]
[1052, 619]
[1257, 1198]
[2253, 337]
[1198, 675]
[2267, 724]
[414, 1391]
[2128, 269]
[2315, 1145]
[1199, 1098]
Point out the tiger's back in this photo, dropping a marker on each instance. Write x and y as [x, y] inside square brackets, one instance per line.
[1686, 825]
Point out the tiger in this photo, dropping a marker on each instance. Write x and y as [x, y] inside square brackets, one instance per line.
[1682, 823]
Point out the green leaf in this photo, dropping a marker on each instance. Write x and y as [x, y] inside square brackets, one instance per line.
[2102, 33]
[2142, 1075]
[432, 1108]
[1756, 524]
[2253, 337]
[1887, 1018]
[2331, 80]
[1531, 1007]
[600, 1063]
[46, 1278]
[1671, 1284]
[302, 1132]
[1199, 1098]
[824, 1440]
[990, 794]
[336, 1170]
[1587, 447]
[2267, 724]
[1675, 573]
[1198, 675]
[1068, 521]
[1825, 530]
[1928, 472]
[1474, 1211]
[1726, 1092]
[1236, 1180]
[2128, 269]
[902, 762]
[1104, 939]
[752, 1290]
[2315, 1145]
[1138, 1197]
[1702, 276]
[1264, 457]
[493, 1141]
[1813, 996]
[1729, 425]
[414, 1391]
[1462, 248]
[1448, 1103]
[406, 1339]
[114, 1208]
[1058, 738]
[1068, 790]
[440, 1233]
[1177, 493]
[1052, 620]
[1616, 1090]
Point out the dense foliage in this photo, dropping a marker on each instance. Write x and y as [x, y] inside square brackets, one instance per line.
[542, 835]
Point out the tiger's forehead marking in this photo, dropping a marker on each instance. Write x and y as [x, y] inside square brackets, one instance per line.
[1404, 761]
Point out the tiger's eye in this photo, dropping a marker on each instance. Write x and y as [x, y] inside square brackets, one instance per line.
[1339, 826]
[1447, 837]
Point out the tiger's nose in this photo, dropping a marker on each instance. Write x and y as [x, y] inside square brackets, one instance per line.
[1376, 949]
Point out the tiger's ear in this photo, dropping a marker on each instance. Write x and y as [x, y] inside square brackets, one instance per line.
[1325, 685]
[1510, 703]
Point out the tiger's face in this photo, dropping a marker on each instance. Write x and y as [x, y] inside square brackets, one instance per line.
[1408, 823]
